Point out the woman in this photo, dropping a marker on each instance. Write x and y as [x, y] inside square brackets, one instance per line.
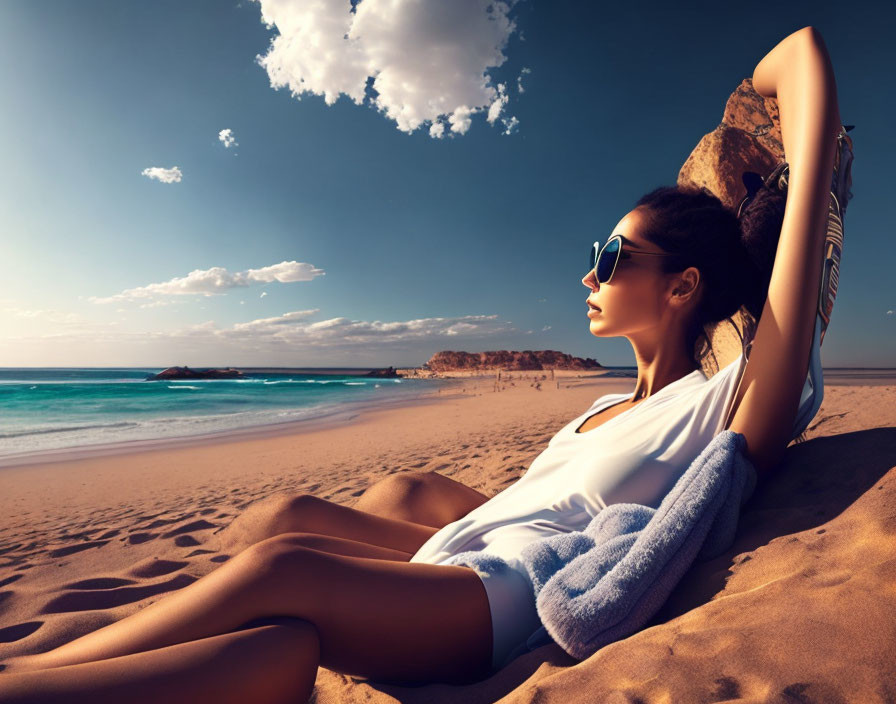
[370, 595]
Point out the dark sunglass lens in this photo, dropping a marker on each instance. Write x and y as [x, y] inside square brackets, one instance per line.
[607, 260]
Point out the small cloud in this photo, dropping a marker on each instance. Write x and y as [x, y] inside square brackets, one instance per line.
[510, 125]
[242, 303]
[891, 312]
[460, 119]
[209, 282]
[172, 175]
[263, 294]
[437, 130]
[227, 138]
[519, 80]
[546, 328]
[542, 300]
[494, 110]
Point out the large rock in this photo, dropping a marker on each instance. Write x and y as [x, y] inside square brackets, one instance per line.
[187, 373]
[509, 360]
[747, 139]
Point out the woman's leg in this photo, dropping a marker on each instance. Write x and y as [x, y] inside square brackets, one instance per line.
[400, 512]
[426, 498]
[384, 619]
[272, 663]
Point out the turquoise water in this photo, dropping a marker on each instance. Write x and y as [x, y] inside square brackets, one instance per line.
[52, 409]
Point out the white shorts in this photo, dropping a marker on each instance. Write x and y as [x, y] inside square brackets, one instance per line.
[511, 601]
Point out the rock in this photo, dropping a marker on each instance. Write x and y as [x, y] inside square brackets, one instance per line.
[509, 360]
[389, 373]
[747, 139]
[187, 373]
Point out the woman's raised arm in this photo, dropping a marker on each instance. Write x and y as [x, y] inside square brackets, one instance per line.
[799, 74]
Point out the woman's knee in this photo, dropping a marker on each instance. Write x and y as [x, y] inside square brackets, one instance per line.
[299, 513]
[277, 560]
[405, 482]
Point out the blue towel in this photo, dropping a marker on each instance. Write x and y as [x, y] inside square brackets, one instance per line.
[596, 586]
[602, 584]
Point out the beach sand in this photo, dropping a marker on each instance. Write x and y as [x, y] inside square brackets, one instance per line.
[802, 608]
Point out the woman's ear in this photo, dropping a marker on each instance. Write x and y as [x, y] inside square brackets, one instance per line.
[686, 286]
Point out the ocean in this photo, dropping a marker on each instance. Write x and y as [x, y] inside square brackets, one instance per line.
[56, 409]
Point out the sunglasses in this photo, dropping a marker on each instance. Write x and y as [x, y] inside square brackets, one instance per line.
[603, 260]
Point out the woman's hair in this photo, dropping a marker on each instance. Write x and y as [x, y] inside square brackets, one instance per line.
[734, 255]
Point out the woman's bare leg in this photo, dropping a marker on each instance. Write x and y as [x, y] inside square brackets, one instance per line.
[323, 543]
[384, 619]
[272, 663]
[427, 498]
[400, 512]
[303, 513]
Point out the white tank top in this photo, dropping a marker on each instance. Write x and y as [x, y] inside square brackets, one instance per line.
[634, 457]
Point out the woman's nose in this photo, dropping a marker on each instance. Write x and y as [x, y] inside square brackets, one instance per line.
[590, 281]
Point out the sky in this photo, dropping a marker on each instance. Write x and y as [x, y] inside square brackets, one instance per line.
[327, 183]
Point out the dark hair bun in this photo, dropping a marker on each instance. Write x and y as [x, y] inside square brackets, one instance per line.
[760, 225]
[734, 255]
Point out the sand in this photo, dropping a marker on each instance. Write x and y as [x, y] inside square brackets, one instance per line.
[802, 608]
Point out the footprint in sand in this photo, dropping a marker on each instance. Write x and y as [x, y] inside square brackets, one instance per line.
[156, 568]
[10, 580]
[137, 538]
[72, 549]
[89, 600]
[99, 583]
[11, 634]
[201, 524]
[157, 524]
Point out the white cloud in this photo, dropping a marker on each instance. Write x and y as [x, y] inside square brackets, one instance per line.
[289, 339]
[227, 138]
[172, 175]
[891, 312]
[494, 110]
[271, 323]
[510, 125]
[460, 119]
[208, 282]
[263, 294]
[294, 329]
[426, 61]
[56, 317]
[546, 328]
[519, 80]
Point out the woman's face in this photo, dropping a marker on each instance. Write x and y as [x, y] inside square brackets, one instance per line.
[635, 297]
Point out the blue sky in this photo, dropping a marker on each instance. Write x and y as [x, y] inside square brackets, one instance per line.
[338, 234]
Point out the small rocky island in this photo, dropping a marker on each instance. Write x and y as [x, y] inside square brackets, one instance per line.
[508, 360]
[389, 373]
[187, 373]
